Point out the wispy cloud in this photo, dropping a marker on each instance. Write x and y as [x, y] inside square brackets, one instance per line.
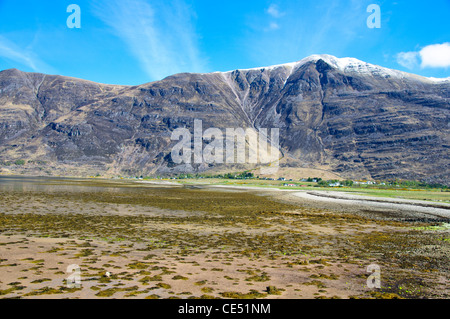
[296, 29]
[24, 56]
[162, 38]
[409, 60]
[431, 56]
[273, 26]
[274, 11]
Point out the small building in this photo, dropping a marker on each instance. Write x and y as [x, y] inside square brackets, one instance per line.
[334, 184]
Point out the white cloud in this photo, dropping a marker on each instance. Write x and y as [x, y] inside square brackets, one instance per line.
[274, 11]
[312, 29]
[408, 60]
[431, 56]
[273, 26]
[162, 39]
[436, 56]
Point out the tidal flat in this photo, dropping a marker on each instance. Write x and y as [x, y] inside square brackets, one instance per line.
[156, 241]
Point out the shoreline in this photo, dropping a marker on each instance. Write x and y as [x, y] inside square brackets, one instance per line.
[423, 208]
[200, 241]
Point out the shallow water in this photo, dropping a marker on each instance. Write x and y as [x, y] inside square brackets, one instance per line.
[47, 184]
[88, 192]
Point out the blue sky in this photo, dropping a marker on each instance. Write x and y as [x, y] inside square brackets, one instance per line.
[138, 41]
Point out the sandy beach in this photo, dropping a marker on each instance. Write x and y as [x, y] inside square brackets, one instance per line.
[216, 242]
[404, 208]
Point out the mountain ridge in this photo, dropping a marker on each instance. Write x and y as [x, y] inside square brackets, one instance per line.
[344, 64]
[337, 62]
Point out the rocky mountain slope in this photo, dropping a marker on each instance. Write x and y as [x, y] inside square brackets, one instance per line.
[342, 115]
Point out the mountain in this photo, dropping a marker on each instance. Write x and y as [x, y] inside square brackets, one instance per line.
[342, 116]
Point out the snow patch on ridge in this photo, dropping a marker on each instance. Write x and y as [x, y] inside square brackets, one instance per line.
[348, 66]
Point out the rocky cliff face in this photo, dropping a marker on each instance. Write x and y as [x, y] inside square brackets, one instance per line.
[342, 115]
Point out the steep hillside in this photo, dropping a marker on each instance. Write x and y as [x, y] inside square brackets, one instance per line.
[342, 115]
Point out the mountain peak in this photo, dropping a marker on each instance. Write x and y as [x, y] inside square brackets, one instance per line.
[349, 65]
[331, 116]
[339, 63]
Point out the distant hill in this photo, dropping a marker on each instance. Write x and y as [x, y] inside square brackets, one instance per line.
[342, 116]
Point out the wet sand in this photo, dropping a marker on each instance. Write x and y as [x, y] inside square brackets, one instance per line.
[402, 208]
[215, 242]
